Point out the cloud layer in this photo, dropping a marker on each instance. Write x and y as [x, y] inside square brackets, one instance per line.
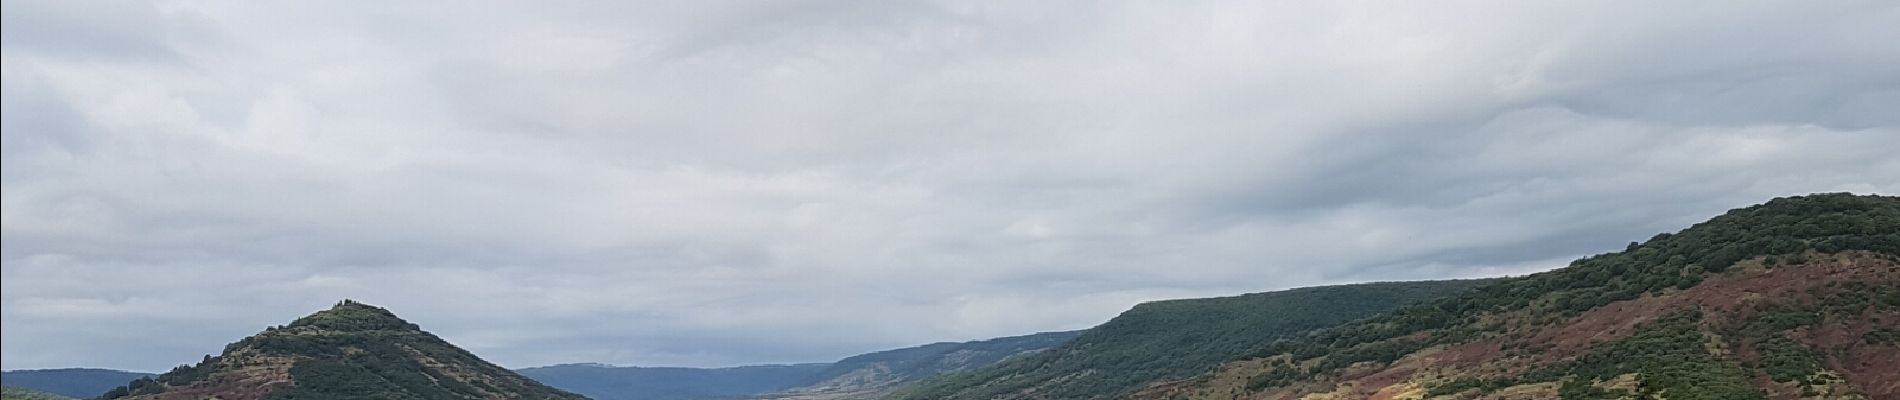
[716, 183]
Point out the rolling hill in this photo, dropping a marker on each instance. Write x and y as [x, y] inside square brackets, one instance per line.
[1798, 297]
[350, 351]
[1175, 339]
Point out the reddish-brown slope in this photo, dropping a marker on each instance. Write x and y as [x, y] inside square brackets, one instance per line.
[1527, 343]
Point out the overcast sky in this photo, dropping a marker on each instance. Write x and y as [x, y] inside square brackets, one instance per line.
[709, 183]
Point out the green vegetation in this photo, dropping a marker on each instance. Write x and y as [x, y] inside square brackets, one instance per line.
[1482, 385]
[1887, 336]
[1672, 356]
[1769, 329]
[14, 393]
[1788, 361]
[1781, 357]
[1176, 339]
[1671, 359]
[354, 351]
[1790, 228]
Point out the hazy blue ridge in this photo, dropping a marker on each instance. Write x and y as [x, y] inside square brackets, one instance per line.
[604, 382]
[82, 383]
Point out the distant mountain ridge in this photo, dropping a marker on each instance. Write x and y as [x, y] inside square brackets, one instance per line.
[350, 351]
[874, 375]
[607, 382]
[857, 377]
[82, 383]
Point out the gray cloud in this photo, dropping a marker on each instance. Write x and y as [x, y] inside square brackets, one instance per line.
[723, 183]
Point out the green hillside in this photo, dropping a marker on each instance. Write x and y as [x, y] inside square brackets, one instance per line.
[351, 351]
[1797, 297]
[1176, 338]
